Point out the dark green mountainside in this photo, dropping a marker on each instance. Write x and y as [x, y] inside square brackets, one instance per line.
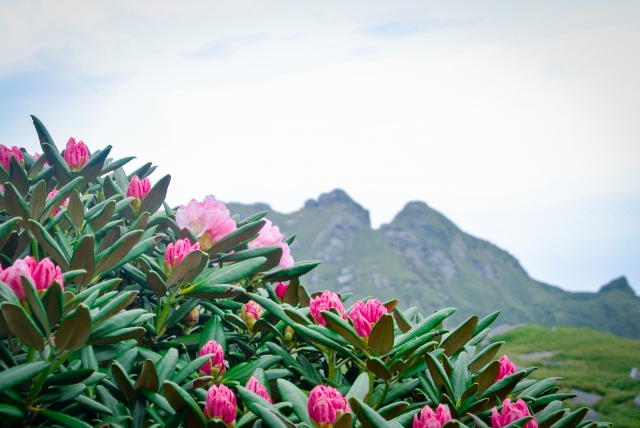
[425, 260]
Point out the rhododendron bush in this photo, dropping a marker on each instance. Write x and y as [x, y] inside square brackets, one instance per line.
[120, 310]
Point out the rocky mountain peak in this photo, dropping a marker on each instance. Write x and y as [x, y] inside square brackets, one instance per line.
[339, 199]
[618, 284]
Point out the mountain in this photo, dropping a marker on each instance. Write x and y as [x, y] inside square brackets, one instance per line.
[425, 260]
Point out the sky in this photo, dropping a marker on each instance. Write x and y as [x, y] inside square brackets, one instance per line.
[517, 120]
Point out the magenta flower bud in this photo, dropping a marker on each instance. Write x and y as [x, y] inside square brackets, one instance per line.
[221, 404]
[6, 153]
[257, 388]
[281, 289]
[177, 252]
[325, 302]
[326, 405]
[137, 188]
[270, 235]
[76, 154]
[209, 220]
[430, 419]
[63, 205]
[215, 366]
[250, 313]
[506, 368]
[366, 315]
[41, 274]
[511, 413]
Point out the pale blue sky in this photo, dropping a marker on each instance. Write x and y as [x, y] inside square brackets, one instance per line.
[518, 120]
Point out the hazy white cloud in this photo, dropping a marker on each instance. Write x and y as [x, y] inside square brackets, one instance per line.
[516, 120]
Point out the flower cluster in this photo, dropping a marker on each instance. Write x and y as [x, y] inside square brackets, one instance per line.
[7, 153]
[366, 315]
[326, 405]
[209, 220]
[215, 365]
[76, 154]
[325, 302]
[270, 235]
[176, 252]
[41, 274]
[511, 413]
[427, 418]
[250, 313]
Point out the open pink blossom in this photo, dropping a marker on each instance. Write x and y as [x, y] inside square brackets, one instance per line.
[209, 220]
[326, 405]
[510, 413]
[6, 153]
[257, 388]
[63, 205]
[138, 188]
[430, 419]
[76, 154]
[325, 302]
[177, 252]
[507, 368]
[250, 313]
[281, 289]
[42, 274]
[215, 366]
[366, 315]
[221, 404]
[270, 235]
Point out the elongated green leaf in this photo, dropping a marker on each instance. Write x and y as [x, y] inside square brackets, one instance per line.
[148, 378]
[460, 376]
[424, 326]
[43, 134]
[242, 371]
[289, 392]
[55, 201]
[322, 339]
[179, 400]
[381, 338]
[484, 357]
[112, 166]
[460, 336]
[38, 200]
[93, 405]
[188, 268]
[298, 269]
[35, 305]
[156, 196]
[15, 205]
[117, 251]
[367, 416]
[74, 330]
[344, 329]
[10, 411]
[438, 374]
[83, 258]
[236, 271]
[69, 421]
[94, 165]
[238, 236]
[213, 330]
[221, 291]
[248, 254]
[22, 326]
[70, 377]
[18, 176]
[49, 244]
[119, 336]
[16, 375]
[75, 209]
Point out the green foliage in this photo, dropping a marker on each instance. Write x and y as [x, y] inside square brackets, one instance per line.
[115, 340]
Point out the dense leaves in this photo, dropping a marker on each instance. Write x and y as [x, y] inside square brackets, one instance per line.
[117, 311]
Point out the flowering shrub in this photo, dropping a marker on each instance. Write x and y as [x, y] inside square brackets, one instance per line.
[119, 310]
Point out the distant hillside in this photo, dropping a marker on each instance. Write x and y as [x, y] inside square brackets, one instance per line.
[425, 260]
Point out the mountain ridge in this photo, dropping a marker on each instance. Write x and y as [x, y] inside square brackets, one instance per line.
[426, 260]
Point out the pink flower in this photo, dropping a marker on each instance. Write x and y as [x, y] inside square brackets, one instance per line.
[510, 413]
[506, 368]
[64, 203]
[281, 289]
[324, 302]
[209, 220]
[366, 315]
[41, 274]
[430, 419]
[250, 313]
[138, 189]
[326, 405]
[221, 404]
[256, 387]
[76, 154]
[6, 153]
[270, 235]
[215, 365]
[177, 252]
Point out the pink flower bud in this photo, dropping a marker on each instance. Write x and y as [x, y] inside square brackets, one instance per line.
[506, 368]
[76, 154]
[6, 153]
[270, 235]
[215, 366]
[250, 313]
[209, 220]
[430, 419]
[63, 205]
[138, 189]
[41, 274]
[325, 302]
[257, 388]
[177, 252]
[366, 315]
[326, 405]
[281, 289]
[511, 413]
[221, 404]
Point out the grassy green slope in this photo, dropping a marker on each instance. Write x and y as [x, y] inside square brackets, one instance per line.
[588, 360]
[425, 260]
